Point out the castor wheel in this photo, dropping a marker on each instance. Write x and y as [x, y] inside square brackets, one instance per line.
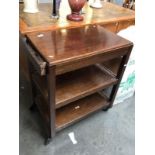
[47, 141]
[106, 108]
[33, 107]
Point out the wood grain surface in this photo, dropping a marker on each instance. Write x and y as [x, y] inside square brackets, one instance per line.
[79, 110]
[76, 85]
[110, 13]
[62, 46]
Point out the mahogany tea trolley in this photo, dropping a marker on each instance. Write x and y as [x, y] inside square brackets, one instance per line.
[71, 71]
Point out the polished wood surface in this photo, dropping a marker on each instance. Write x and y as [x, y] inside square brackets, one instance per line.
[78, 110]
[77, 84]
[62, 46]
[109, 14]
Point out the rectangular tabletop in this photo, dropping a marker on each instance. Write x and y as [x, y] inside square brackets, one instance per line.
[67, 45]
[42, 20]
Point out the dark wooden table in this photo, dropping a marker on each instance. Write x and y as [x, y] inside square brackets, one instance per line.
[70, 71]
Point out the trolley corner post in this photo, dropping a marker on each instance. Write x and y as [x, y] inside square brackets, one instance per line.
[51, 102]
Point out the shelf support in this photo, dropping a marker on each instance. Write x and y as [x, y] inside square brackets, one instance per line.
[51, 101]
[119, 76]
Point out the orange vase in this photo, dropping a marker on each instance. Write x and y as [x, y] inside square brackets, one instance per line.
[76, 6]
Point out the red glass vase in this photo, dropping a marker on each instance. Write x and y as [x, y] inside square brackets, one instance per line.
[76, 6]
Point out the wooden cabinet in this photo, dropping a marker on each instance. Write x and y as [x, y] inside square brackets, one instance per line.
[70, 69]
[124, 24]
[111, 26]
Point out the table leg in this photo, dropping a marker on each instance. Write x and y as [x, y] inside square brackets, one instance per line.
[119, 76]
[51, 101]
